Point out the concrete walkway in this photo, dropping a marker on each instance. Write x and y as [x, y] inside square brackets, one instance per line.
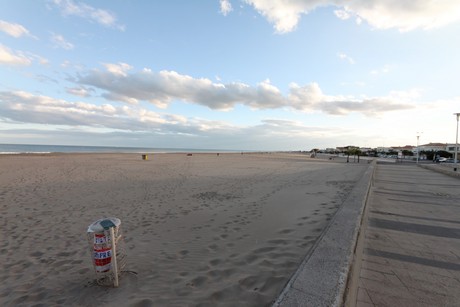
[410, 240]
[321, 279]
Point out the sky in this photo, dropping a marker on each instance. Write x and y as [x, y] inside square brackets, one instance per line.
[229, 74]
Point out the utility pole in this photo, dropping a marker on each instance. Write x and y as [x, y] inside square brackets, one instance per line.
[456, 144]
[418, 151]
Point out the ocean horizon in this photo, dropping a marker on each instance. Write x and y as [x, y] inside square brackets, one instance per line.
[41, 149]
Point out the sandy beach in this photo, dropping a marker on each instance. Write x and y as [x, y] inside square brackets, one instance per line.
[200, 230]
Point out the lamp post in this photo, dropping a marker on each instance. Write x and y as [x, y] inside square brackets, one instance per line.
[456, 144]
[418, 152]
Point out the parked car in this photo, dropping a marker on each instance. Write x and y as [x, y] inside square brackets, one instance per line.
[441, 160]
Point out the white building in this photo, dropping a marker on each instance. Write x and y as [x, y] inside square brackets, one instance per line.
[431, 147]
[451, 148]
[384, 149]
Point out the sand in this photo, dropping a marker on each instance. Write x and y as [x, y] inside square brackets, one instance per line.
[201, 230]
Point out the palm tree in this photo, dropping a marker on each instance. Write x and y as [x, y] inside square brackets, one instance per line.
[355, 151]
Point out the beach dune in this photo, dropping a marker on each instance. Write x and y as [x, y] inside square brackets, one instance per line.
[200, 230]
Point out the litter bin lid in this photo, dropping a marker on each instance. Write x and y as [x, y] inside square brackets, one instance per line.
[98, 226]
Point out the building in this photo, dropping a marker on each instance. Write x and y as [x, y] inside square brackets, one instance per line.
[433, 147]
[407, 148]
[451, 148]
[384, 149]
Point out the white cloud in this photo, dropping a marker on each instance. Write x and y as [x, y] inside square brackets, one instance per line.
[83, 10]
[80, 91]
[404, 15]
[10, 57]
[345, 57]
[225, 7]
[25, 107]
[311, 98]
[384, 70]
[41, 60]
[60, 42]
[58, 119]
[119, 69]
[13, 29]
[160, 88]
[285, 15]
[341, 14]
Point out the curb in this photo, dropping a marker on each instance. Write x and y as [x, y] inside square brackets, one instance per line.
[321, 279]
[440, 170]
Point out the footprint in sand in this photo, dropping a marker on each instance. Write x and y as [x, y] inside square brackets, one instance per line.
[36, 254]
[83, 271]
[144, 303]
[285, 231]
[215, 262]
[213, 247]
[197, 281]
[278, 242]
[183, 252]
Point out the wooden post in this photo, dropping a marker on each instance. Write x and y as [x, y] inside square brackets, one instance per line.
[113, 240]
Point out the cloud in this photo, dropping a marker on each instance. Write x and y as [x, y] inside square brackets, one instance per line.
[310, 97]
[285, 15]
[13, 29]
[119, 69]
[80, 91]
[161, 88]
[345, 57]
[384, 70]
[25, 107]
[46, 118]
[30, 117]
[404, 15]
[10, 57]
[83, 10]
[225, 7]
[341, 14]
[60, 42]
[368, 106]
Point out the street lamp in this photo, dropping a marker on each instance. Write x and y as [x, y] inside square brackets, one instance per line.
[418, 151]
[456, 144]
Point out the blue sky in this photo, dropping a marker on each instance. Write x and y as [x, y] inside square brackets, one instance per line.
[236, 74]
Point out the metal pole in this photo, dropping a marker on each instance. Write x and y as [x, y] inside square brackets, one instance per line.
[456, 144]
[418, 136]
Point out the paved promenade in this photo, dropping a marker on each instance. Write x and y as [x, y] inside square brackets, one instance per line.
[411, 243]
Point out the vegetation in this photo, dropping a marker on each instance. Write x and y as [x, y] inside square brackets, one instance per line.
[407, 153]
[354, 151]
[431, 155]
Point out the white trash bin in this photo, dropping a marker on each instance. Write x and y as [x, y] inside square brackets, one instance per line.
[107, 250]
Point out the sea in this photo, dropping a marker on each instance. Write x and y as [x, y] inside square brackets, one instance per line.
[41, 149]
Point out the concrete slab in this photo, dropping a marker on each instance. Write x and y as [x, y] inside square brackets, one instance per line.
[322, 277]
[411, 239]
